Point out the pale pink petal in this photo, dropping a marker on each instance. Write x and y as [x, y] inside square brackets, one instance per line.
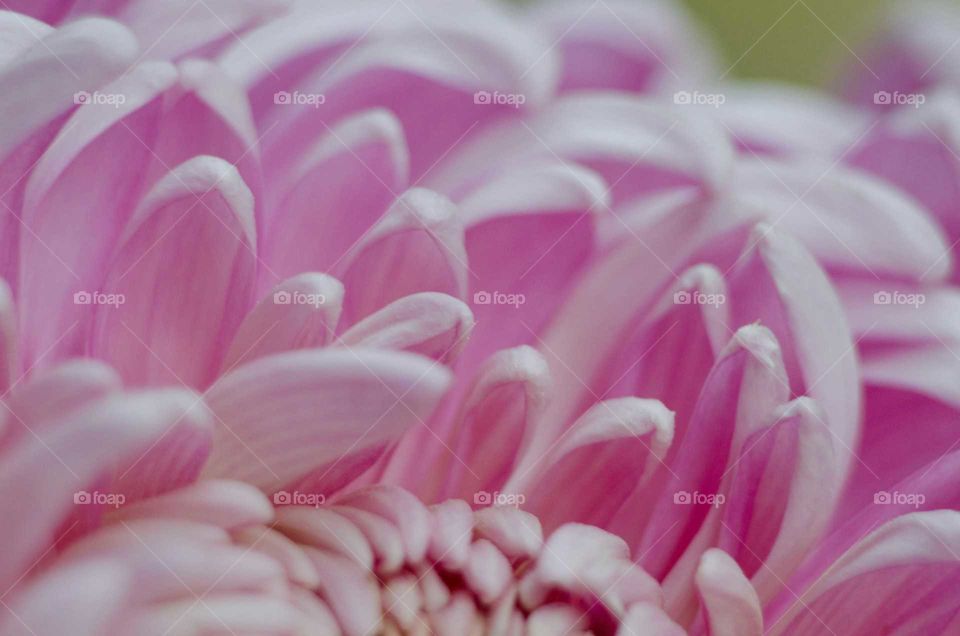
[636, 146]
[207, 113]
[53, 393]
[81, 56]
[168, 564]
[219, 614]
[830, 216]
[48, 88]
[730, 604]
[738, 397]
[629, 46]
[778, 283]
[487, 572]
[900, 577]
[322, 203]
[646, 616]
[298, 566]
[9, 340]
[20, 31]
[417, 246]
[182, 277]
[89, 596]
[453, 523]
[351, 593]
[488, 431]
[227, 504]
[516, 533]
[786, 120]
[292, 415]
[172, 29]
[529, 231]
[429, 323]
[916, 151]
[87, 183]
[299, 313]
[781, 500]
[70, 456]
[325, 529]
[417, 78]
[613, 448]
[405, 511]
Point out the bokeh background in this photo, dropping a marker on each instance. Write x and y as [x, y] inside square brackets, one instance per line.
[800, 40]
[808, 41]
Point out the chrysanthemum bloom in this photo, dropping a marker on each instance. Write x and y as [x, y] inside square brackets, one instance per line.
[384, 318]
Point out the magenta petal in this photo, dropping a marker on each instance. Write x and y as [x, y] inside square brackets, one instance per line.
[182, 278]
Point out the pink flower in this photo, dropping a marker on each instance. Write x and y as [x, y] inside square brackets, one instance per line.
[387, 318]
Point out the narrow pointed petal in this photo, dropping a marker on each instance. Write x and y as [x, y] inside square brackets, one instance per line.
[730, 604]
[182, 278]
[301, 414]
[299, 313]
[96, 51]
[416, 247]
[322, 203]
[89, 179]
[431, 324]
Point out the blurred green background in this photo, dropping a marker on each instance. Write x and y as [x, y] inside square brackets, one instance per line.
[799, 40]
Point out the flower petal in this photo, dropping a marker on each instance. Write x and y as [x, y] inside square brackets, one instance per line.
[431, 324]
[730, 604]
[901, 576]
[359, 164]
[182, 278]
[417, 246]
[88, 181]
[299, 313]
[298, 414]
